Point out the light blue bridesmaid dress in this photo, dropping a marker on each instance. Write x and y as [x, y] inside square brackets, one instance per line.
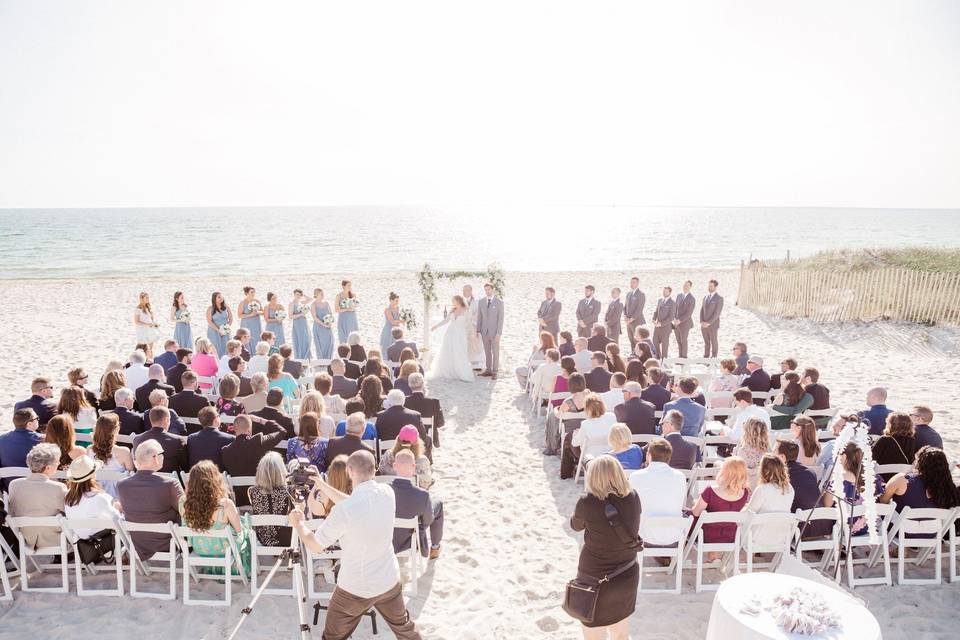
[219, 342]
[301, 337]
[253, 324]
[322, 336]
[276, 327]
[385, 338]
[346, 324]
[182, 332]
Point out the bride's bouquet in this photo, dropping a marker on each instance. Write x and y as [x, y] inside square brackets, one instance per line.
[279, 315]
[327, 320]
[254, 307]
[349, 304]
[408, 318]
[224, 329]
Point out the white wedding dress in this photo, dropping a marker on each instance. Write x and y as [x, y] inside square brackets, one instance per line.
[452, 360]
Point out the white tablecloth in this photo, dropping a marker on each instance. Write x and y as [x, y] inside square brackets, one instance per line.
[728, 622]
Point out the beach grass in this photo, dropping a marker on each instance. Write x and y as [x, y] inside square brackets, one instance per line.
[932, 259]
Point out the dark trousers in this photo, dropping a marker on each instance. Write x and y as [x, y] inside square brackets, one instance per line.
[682, 336]
[346, 610]
[661, 340]
[569, 457]
[711, 346]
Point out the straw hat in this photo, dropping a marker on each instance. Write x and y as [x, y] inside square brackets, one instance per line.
[82, 469]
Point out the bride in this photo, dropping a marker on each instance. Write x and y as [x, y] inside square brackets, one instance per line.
[453, 359]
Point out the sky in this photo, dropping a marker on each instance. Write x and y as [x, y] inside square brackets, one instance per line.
[112, 103]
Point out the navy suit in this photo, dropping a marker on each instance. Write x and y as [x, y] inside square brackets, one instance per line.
[395, 349]
[207, 444]
[390, 421]
[877, 417]
[177, 425]
[344, 387]
[637, 414]
[143, 393]
[43, 407]
[14, 447]
[759, 380]
[131, 422]
[656, 395]
[684, 454]
[806, 493]
[413, 502]
[167, 359]
[187, 404]
[598, 380]
[174, 448]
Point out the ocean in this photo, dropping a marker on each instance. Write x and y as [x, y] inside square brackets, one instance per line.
[118, 243]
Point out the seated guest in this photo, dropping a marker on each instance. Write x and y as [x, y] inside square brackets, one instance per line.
[729, 494]
[269, 496]
[877, 412]
[644, 349]
[291, 366]
[85, 497]
[582, 356]
[757, 379]
[746, 409]
[137, 372]
[826, 451]
[655, 393]
[357, 352]
[537, 356]
[561, 383]
[155, 380]
[395, 416]
[342, 386]
[204, 362]
[188, 402]
[109, 383]
[753, 445]
[336, 405]
[923, 433]
[786, 365]
[242, 454]
[636, 373]
[16, 444]
[426, 406]
[791, 402]
[662, 491]
[258, 362]
[614, 396]
[806, 488]
[566, 347]
[351, 440]
[149, 498]
[897, 445]
[207, 443]
[741, 357]
[408, 440]
[407, 357]
[238, 367]
[772, 495]
[73, 403]
[804, 432]
[38, 495]
[338, 478]
[598, 340]
[309, 444]
[206, 507]
[725, 382]
[313, 403]
[41, 400]
[60, 432]
[693, 412]
[169, 356]
[227, 403]
[147, 350]
[373, 367]
[78, 378]
[614, 362]
[244, 337]
[131, 422]
[174, 447]
[573, 404]
[257, 399]
[684, 454]
[851, 461]
[371, 394]
[415, 502]
[598, 378]
[112, 457]
[350, 370]
[175, 373]
[273, 411]
[369, 432]
[819, 393]
[931, 486]
[158, 398]
[623, 449]
[399, 344]
[402, 382]
[635, 412]
[589, 439]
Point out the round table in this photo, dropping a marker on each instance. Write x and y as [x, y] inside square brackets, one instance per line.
[728, 621]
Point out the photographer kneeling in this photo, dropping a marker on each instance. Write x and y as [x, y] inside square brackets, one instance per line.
[369, 576]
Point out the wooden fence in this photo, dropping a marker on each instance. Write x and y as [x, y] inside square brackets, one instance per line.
[837, 296]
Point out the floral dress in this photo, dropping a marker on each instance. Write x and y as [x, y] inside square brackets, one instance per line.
[276, 502]
[216, 547]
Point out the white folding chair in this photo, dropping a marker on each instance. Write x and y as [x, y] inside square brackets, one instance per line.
[825, 435]
[138, 566]
[70, 525]
[882, 469]
[643, 438]
[762, 395]
[724, 397]
[124, 439]
[731, 550]
[559, 395]
[953, 543]
[676, 554]
[821, 413]
[257, 550]
[829, 546]
[382, 446]
[210, 380]
[83, 438]
[413, 554]
[929, 523]
[310, 560]
[226, 563]
[241, 484]
[780, 527]
[17, 524]
[710, 446]
[109, 475]
[851, 543]
[5, 554]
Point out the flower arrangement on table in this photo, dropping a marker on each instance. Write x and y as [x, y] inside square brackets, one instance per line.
[224, 329]
[408, 317]
[327, 320]
[800, 611]
[349, 304]
[869, 494]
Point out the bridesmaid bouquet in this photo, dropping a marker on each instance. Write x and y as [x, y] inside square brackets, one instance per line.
[327, 321]
[349, 303]
[224, 329]
[408, 318]
[185, 316]
[254, 307]
[304, 309]
[280, 315]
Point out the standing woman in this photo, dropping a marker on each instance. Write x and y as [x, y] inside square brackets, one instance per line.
[346, 304]
[322, 329]
[249, 311]
[219, 319]
[299, 309]
[180, 316]
[391, 319]
[144, 321]
[274, 314]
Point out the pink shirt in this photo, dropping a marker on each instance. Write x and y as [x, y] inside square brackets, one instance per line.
[206, 365]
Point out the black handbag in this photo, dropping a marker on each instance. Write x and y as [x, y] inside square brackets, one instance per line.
[97, 548]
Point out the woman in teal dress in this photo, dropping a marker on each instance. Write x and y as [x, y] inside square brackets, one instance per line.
[345, 306]
[218, 316]
[249, 311]
[279, 379]
[180, 316]
[274, 314]
[391, 319]
[206, 507]
[298, 311]
[322, 335]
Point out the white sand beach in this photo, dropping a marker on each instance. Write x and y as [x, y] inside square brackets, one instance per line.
[508, 548]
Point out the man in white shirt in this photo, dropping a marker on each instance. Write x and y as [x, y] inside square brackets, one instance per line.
[581, 356]
[746, 409]
[362, 522]
[137, 373]
[614, 397]
[662, 492]
[544, 376]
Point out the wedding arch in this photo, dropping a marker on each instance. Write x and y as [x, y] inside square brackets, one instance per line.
[427, 278]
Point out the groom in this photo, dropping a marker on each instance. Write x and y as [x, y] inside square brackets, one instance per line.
[489, 328]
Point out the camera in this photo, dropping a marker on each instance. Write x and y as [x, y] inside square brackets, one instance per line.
[300, 475]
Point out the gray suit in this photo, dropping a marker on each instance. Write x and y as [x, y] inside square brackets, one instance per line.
[710, 312]
[549, 312]
[490, 326]
[589, 313]
[633, 311]
[666, 311]
[612, 320]
[686, 303]
[150, 498]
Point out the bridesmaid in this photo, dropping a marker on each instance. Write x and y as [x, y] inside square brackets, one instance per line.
[391, 319]
[322, 335]
[250, 317]
[180, 316]
[144, 322]
[346, 311]
[274, 314]
[218, 315]
[299, 308]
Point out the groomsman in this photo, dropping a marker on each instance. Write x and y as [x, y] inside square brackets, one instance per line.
[684, 320]
[633, 310]
[549, 313]
[710, 320]
[662, 323]
[612, 317]
[490, 328]
[588, 312]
